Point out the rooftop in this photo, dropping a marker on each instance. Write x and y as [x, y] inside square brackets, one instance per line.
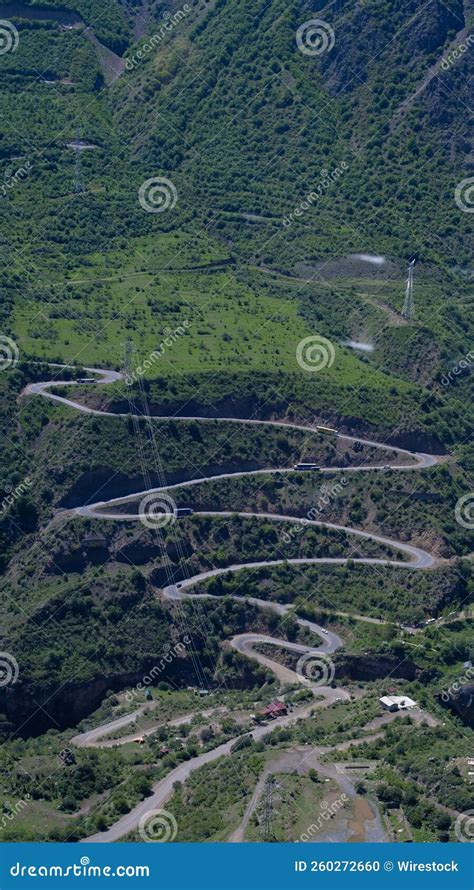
[398, 701]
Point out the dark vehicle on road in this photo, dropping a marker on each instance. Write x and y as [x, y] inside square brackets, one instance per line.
[306, 466]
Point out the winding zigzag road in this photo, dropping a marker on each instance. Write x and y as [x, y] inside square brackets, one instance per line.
[418, 558]
[107, 376]
[415, 558]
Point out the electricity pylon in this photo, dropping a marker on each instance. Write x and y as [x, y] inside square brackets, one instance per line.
[78, 180]
[129, 353]
[408, 310]
[267, 809]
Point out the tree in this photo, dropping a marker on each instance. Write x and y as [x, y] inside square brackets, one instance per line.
[121, 805]
[443, 821]
[206, 734]
[69, 804]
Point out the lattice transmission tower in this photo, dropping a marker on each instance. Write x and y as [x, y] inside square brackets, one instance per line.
[129, 360]
[267, 810]
[408, 310]
[78, 179]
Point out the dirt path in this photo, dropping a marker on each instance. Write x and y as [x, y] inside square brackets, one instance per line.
[94, 738]
[163, 789]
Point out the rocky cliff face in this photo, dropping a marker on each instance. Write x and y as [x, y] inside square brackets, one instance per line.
[462, 704]
[374, 667]
[72, 702]
[367, 40]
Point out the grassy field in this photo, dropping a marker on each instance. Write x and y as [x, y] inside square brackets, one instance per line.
[230, 323]
[297, 801]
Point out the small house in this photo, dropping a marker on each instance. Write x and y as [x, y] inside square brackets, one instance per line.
[275, 709]
[397, 702]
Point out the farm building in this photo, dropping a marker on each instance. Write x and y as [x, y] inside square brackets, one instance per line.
[273, 710]
[397, 702]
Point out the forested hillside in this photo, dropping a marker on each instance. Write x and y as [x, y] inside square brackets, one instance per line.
[236, 288]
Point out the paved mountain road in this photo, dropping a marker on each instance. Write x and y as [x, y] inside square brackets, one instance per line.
[417, 559]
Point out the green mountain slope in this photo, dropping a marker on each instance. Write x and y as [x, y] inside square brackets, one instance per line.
[298, 185]
[282, 161]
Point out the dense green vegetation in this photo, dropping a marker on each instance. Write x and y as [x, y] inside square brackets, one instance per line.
[420, 770]
[218, 793]
[302, 186]
[104, 269]
[86, 638]
[394, 594]
[415, 505]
